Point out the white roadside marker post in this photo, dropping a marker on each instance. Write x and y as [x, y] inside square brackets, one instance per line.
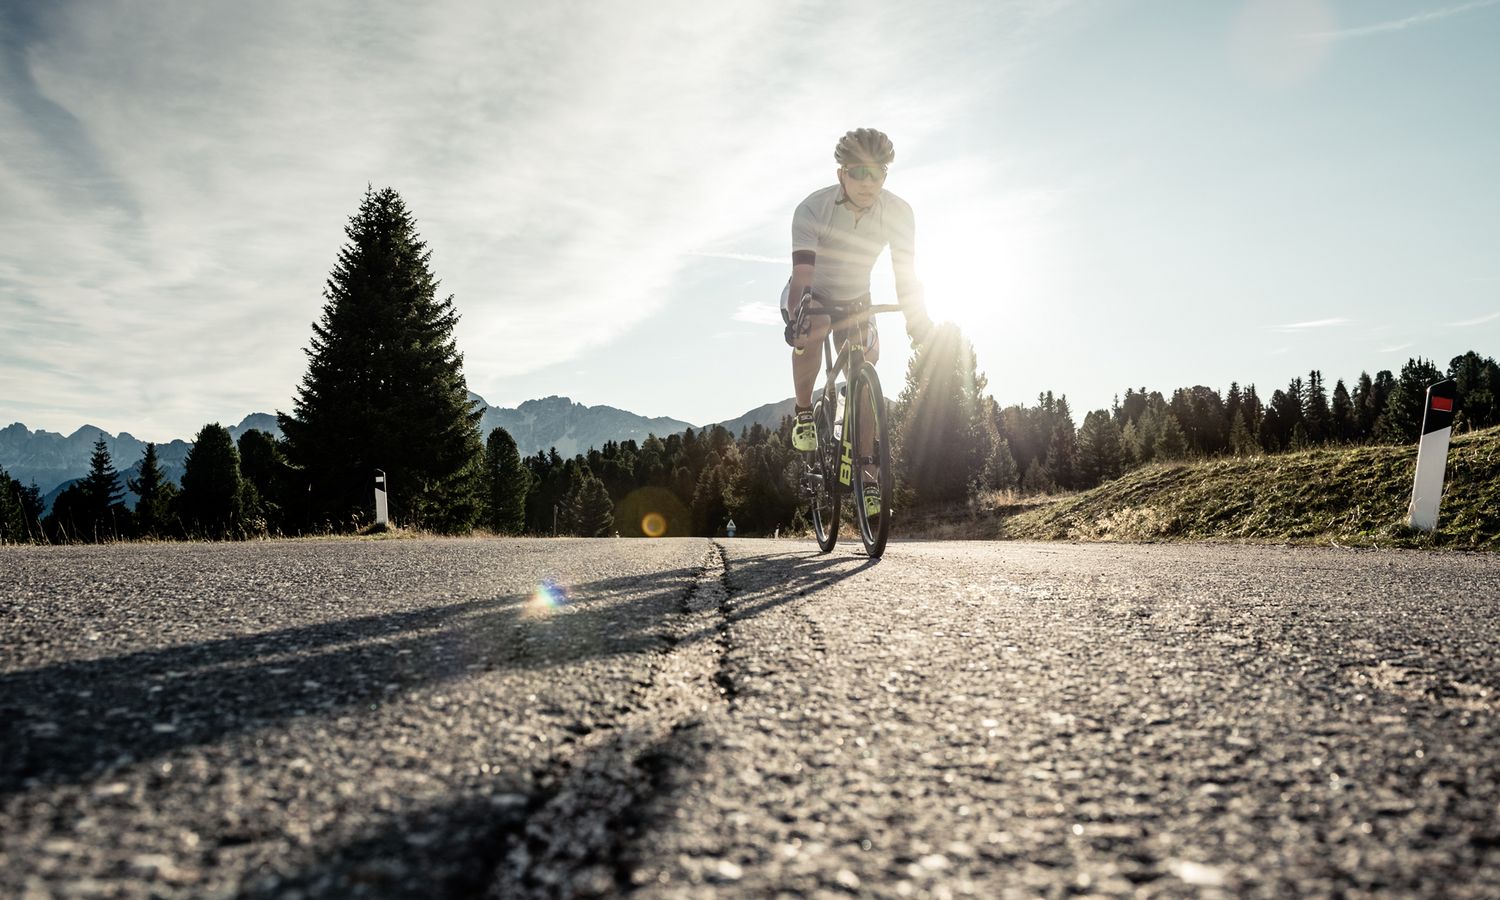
[1432, 456]
[382, 512]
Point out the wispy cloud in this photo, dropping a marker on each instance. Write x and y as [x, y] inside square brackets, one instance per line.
[1482, 320]
[1308, 326]
[758, 314]
[1396, 348]
[1398, 24]
[744, 257]
[176, 178]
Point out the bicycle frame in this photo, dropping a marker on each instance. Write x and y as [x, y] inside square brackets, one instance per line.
[850, 358]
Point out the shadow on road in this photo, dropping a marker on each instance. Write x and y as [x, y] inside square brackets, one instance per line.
[71, 720]
[583, 828]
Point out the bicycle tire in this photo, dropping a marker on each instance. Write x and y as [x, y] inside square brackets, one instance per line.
[869, 401]
[825, 493]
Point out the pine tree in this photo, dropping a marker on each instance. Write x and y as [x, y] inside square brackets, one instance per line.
[1062, 451]
[1099, 449]
[574, 475]
[12, 511]
[1344, 423]
[103, 513]
[1038, 478]
[1380, 398]
[1199, 410]
[709, 509]
[1316, 416]
[1294, 400]
[506, 483]
[212, 499]
[1365, 411]
[1002, 472]
[939, 438]
[1173, 443]
[596, 513]
[1241, 441]
[1402, 421]
[1131, 408]
[267, 481]
[385, 387]
[1254, 411]
[155, 495]
[1273, 437]
[71, 518]
[1477, 381]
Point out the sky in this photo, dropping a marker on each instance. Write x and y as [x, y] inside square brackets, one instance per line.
[1108, 194]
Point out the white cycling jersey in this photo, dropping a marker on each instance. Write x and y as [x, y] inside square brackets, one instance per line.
[845, 246]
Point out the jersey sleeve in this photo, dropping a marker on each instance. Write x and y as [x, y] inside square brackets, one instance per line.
[903, 237]
[804, 229]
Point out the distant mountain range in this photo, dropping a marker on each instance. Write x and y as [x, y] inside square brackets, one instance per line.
[53, 461]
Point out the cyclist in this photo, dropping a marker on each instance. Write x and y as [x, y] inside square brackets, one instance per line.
[837, 234]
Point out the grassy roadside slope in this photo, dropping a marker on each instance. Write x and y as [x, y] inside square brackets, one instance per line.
[1348, 496]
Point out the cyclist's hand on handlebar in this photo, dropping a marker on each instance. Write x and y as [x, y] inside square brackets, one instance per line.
[919, 327]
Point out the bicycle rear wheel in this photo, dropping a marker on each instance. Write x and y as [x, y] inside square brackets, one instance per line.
[824, 478]
[873, 463]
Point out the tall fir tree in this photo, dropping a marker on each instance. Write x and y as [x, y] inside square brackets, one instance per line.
[709, 508]
[1174, 442]
[1477, 380]
[1241, 441]
[1001, 470]
[12, 511]
[596, 513]
[268, 481]
[1380, 397]
[212, 498]
[1344, 423]
[1254, 410]
[939, 439]
[1062, 451]
[1402, 420]
[506, 484]
[104, 516]
[155, 493]
[1233, 403]
[1099, 449]
[1364, 407]
[1200, 412]
[385, 387]
[1317, 418]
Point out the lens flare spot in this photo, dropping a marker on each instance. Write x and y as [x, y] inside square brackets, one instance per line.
[548, 597]
[654, 524]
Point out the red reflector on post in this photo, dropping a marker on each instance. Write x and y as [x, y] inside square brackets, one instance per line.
[1442, 404]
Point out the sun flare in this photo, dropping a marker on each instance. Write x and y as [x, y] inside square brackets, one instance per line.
[979, 274]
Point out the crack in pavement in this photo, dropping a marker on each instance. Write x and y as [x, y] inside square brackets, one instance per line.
[579, 839]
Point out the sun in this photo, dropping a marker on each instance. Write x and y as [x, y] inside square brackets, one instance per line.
[979, 273]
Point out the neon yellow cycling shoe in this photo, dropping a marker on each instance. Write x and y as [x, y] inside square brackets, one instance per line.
[872, 501]
[805, 432]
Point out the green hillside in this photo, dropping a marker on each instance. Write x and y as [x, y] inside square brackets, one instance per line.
[1349, 496]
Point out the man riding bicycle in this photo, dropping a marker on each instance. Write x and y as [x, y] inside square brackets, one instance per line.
[837, 234]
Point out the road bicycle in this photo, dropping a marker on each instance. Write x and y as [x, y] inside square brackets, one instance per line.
[846, 415]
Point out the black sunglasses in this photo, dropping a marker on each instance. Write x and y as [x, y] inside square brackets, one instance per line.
[865, 173]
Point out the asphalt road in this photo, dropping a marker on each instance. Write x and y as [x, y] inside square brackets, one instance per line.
[691, 718]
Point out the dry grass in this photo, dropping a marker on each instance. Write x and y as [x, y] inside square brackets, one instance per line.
[1348, 496]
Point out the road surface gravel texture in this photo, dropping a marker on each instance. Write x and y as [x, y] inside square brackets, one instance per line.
[539, 718]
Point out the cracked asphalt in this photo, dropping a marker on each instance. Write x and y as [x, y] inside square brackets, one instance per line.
[538, 718]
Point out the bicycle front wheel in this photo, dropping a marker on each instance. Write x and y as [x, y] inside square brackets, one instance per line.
[874, 482]
[823, 478]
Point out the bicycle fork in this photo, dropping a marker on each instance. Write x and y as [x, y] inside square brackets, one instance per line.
[846, 461]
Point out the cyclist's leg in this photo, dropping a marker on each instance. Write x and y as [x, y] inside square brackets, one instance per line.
[807, 352]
